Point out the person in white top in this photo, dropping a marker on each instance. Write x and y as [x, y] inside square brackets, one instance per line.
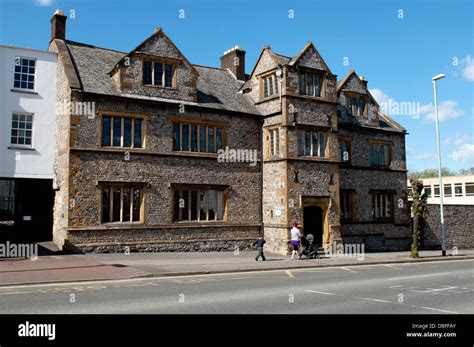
[295, 240]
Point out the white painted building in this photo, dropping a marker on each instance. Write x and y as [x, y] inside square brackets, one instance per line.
[27, 143]
[458, 190]
[27, 112]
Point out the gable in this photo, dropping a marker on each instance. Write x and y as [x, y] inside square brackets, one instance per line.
[355, 84]
[159, 45]
[309, 57]
[265, 62]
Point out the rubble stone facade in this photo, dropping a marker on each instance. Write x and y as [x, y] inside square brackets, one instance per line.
[147, 170]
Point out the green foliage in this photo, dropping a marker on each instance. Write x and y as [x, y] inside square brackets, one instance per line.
[430, 173]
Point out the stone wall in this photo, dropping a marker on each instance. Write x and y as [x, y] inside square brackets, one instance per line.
[459, 226]
[171, 238]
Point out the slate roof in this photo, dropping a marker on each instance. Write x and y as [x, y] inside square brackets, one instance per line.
[217, 88]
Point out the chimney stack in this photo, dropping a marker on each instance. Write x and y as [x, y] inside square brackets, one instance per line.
[234, 60]
[58, 25]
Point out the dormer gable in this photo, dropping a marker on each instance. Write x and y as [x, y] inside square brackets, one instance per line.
[355, 100]
[156, 67]
[309, 57]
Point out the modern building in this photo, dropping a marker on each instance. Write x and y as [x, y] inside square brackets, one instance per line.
[159, 154]
[27, 125]
[458, 208]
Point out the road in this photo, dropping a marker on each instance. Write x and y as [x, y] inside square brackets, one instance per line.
[432, 287]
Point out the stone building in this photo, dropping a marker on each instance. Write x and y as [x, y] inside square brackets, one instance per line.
[175, 156]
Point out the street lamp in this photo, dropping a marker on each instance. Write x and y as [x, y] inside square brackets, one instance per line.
[441, 188]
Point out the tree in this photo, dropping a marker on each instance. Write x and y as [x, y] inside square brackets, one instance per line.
[429, 173]
[467, 171]
[418, 210]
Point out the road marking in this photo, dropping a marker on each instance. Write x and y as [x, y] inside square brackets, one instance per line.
[10, 293]
[325, 293]
[419, 276]
[378, 300]
[432, 290]
[55, 284]
[393, 267]
[434, 309]
[347, 269]
[288, 272]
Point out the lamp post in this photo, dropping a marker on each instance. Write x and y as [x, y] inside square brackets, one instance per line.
[441, 188]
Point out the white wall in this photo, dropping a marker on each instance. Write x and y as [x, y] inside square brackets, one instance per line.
[465, 199]
[37, 162]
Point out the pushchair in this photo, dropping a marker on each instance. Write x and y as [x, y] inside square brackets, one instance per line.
[310, 250]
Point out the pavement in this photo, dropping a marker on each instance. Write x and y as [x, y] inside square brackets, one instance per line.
[114, 266]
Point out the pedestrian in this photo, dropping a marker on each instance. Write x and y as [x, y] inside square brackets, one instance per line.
[295, 240]
[260, 242]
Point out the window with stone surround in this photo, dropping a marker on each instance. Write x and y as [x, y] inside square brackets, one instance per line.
[269, 85]
[380, 153]
[311, 143]
[157, 73]
[344, 150]
[122, 131]
[274, 142]
[347, 203]
[310, 84]
[24, 77]
[121, 203]
[22, 129]
[191, 203]
[195, 137]
[382, 205]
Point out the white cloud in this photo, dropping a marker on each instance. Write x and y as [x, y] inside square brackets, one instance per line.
[46, 3]
[458, 140]
[462, 139]
[426, 156]
[468, 70]
[446, 110]
[465, 153]
[379, 95]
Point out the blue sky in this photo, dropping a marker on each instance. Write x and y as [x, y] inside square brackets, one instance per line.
[398, 46]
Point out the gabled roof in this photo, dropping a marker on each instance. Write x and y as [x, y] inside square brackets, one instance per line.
[158, 31]
[389, 122]
[302, 53]
[351, 73]
[216, 88]
[345, 79]
[277, 58]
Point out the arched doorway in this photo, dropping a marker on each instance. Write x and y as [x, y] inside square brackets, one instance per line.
[313, 223]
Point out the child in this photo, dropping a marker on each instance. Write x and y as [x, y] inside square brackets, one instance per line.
[260, 242]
